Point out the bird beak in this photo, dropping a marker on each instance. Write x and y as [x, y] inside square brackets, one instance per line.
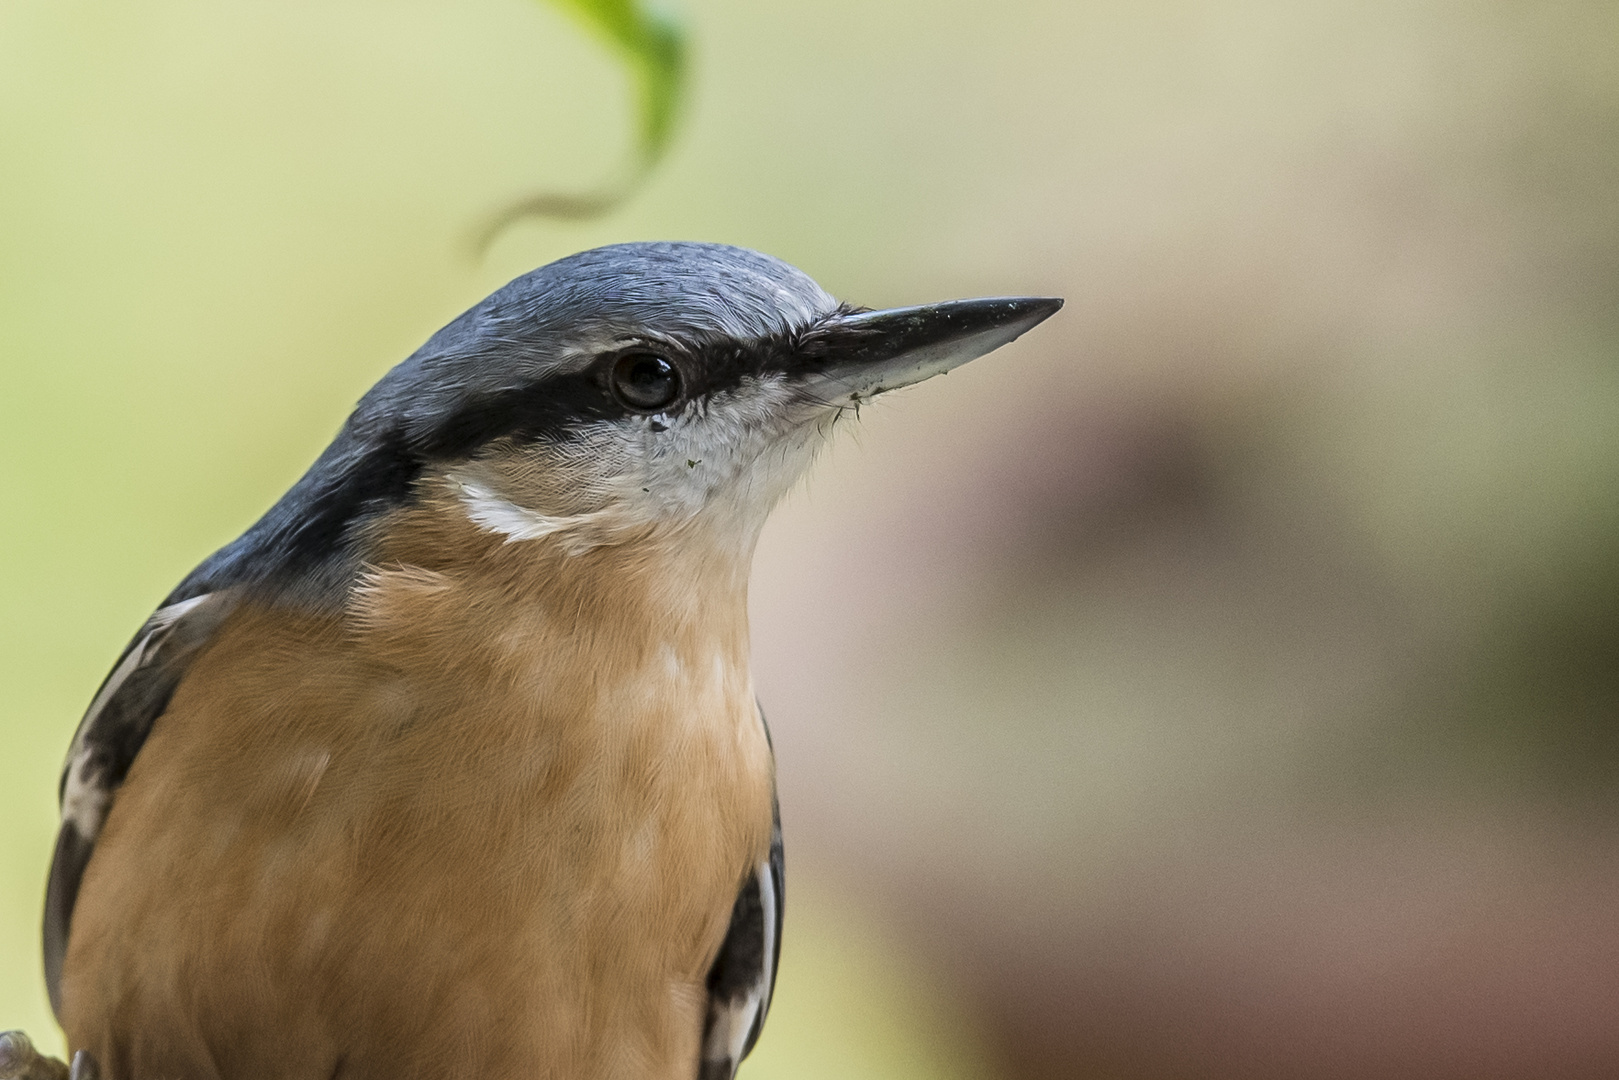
[858, 356]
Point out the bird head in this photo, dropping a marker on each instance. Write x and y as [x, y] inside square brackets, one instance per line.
[624, 392]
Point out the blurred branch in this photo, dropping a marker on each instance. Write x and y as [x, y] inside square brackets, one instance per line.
[652, 46]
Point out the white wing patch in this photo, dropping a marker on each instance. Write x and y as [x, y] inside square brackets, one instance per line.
[768, 890]
[109, 737]
[734, 1019]
[86, 794]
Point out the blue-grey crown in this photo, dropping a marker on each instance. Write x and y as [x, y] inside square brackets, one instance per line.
[536, 325]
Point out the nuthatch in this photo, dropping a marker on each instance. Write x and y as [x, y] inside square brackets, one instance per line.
[451, 765]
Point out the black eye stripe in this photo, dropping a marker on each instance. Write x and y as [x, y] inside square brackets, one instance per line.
[550, 407]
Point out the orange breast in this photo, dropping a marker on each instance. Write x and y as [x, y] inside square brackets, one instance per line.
[460, 829]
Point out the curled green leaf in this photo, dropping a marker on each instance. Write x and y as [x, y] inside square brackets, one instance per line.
[651, 44]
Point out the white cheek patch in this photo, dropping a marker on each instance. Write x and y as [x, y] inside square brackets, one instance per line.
[730, 457]
[739, 454]
[573, 492]
[492, 512]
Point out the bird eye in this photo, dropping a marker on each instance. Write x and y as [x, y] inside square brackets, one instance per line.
[646, 382]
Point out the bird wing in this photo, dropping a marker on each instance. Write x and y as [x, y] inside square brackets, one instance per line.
[130, 700]
[743, 978]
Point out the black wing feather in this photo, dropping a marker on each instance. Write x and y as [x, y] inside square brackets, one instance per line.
[742, 980]
[109, 737]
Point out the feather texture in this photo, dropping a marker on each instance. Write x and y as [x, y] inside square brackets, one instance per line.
[109, 737]
[743, 978]
[488, 819]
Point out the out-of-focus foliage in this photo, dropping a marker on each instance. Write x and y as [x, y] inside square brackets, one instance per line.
[850, 1005]
[1218, 682]
[321, 150]
[651, 43]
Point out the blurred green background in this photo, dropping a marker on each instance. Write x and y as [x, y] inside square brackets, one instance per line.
[1221, 682]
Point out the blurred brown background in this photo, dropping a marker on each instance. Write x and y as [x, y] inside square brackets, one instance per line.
[1222, 682]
